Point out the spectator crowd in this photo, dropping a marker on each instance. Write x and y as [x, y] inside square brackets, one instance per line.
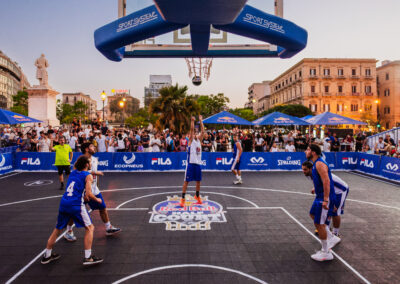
[120, 139]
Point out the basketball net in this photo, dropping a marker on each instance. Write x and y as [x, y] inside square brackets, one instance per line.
[199, 67]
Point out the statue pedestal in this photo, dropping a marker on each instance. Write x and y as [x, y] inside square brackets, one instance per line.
[42, 104]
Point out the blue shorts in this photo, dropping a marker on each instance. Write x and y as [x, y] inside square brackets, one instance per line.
[78, 213]
[94, 205]
[320, 214]
[193, 172]
[235, 165]
[339, 203]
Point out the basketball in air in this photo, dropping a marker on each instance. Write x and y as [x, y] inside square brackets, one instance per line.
[196, 80]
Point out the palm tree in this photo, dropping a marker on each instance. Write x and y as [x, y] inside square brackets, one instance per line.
[175, 108]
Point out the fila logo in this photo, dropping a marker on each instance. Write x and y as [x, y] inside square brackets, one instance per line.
[392, 167]
[349, 160]
[258, 160]
[30, 161]
[161, 161]
[367, 163]
[224, 161]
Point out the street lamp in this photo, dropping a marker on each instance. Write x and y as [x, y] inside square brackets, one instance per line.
[103, 98]
[122, 105]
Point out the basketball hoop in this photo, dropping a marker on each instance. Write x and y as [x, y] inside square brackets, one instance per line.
[199, 68]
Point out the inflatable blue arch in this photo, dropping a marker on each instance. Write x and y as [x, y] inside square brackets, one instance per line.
[232, 16]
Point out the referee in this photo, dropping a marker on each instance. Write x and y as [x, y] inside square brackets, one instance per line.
[64, 156]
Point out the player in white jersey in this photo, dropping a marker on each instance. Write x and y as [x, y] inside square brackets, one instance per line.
[341, 191]
[88, 150]
[193, 163]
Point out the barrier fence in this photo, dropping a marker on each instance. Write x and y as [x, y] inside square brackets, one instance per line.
[387, 167]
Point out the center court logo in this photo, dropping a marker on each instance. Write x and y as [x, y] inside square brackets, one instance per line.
[289, 162]
[192, 217]
[128, 163]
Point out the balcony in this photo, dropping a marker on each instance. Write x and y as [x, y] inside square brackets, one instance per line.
[355, 94]
[326, 76]
[368, 77]
[355, 77]
[312, 94]
[326, 94]
[340, 77]
[340, 94]
[369, 94]
[312, 76]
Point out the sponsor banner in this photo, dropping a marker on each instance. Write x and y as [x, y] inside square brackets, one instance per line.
[287, 161]
[347, 160]
[128, 161]
[390, 168]
[330, 158]
[105, 161]
[221, 161]
[182, 160]
[256, 161]
[162, 161]
[31, 161]
[368, 163]
[6, 163]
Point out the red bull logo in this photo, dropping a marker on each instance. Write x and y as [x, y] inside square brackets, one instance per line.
[20, 118]
[226, 119]
[283, 120]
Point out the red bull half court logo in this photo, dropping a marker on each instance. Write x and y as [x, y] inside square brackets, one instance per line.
[192, 217]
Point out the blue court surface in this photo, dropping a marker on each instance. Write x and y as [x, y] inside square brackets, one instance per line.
[256, 232]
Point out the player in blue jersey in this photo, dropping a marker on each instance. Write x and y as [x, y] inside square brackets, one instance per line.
[79, 189]
[341, 191]
[324, 203]
[193, 162]
[237, 153]
[89, 150]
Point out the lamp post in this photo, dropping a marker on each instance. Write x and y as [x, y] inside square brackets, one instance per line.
[103, 98]
[122, 105]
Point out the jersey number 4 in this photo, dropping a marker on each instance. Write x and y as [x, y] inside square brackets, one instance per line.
[70, 188]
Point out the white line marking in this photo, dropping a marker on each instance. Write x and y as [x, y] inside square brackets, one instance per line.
[127, 209]
[10, 175]
[190, 265]
[248, 208]
[377, 179]
[177, 192]
[335, 254]
[209, 186]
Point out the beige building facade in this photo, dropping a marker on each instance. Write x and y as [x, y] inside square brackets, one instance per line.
[258, 96]
[343, 86]
[72, 98]
[388, 81]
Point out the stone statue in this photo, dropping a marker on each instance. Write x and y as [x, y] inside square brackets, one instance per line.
[41, 72]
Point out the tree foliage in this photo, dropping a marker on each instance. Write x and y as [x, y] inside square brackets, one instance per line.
[246, 113]
[212, 104]
[20, 103]
[131, 106]
[67, 112]
[294, 110]
[175, 108]
[142, 118]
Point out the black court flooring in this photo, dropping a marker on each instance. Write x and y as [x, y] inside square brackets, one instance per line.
[262, 235]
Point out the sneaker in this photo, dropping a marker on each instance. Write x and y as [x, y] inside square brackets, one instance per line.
[238, 181]
[92, 260]
[69, 236]
[182, 202]
[53, 256]
[199, 201]
[333, 241]
[322, 256]
[112, 231]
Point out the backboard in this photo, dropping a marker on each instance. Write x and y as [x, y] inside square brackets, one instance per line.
[178, 43]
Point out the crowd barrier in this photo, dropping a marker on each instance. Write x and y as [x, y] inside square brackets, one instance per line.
[10, 149]
[215, 161]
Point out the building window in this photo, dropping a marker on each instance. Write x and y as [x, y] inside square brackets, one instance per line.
[313, 107]
[353, 72]
[340, 89]
[368, 107]
[327, 72]
[326, 89]
[299, 74]
[368, 89]
[339, 107]
[74, 100]
[354, 107]
[387, 125]
[295, 76]
[313, 72]
[387, 76]
[354, 89]
[312, 89]
[387, 92]
[327, 107]
[340, 72]
[386, 110]
[368, 72]
[66, 99]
